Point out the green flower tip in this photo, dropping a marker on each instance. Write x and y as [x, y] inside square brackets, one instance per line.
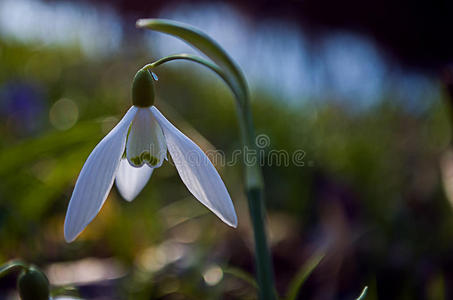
[136, 161]
[33, 284]
[153, 161]
[145, 157]
[143, 89]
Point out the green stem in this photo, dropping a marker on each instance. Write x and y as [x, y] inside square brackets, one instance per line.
[193, 58]
[262, 254]
[253, 176]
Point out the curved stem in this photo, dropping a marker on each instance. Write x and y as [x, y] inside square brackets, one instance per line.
[253, 175]
[200, 41]
[199, 60]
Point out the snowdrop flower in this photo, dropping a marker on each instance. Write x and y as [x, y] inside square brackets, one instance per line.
[130, 153]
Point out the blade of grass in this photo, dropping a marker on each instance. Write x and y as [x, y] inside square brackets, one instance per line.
[67, 290]
[241, 274]
[363, 294]
[11, 265]
[303, 274]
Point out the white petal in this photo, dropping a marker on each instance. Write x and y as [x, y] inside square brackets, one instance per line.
[131, 180]
[96, 178]
[146, 142]
[197, 171]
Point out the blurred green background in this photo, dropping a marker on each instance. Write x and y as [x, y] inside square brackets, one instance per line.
[367, 193]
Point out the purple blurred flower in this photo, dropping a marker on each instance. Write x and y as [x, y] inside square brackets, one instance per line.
[22, 105]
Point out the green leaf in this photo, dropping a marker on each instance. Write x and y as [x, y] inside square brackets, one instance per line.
[10, 266]
[203, 43]
[241, 274]
[363, 294]
[303, 274]
[53, 143]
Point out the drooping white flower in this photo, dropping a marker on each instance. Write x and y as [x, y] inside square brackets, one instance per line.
[143, 135]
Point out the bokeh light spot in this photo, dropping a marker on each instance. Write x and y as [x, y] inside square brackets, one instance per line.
[64, 114]
[212, 275]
